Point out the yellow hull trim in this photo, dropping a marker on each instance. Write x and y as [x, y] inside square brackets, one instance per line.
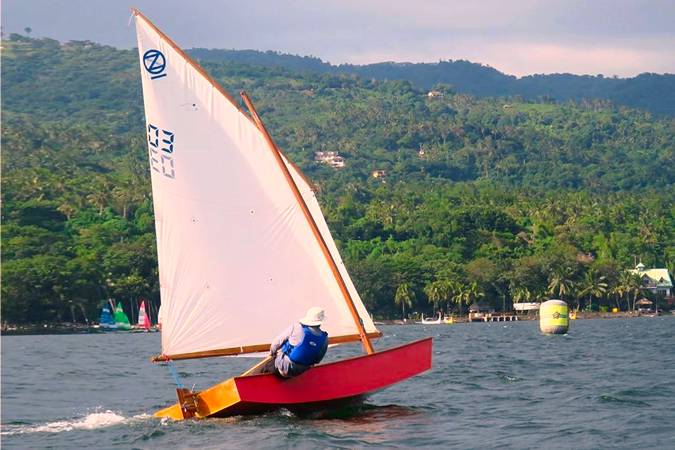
[209, 401]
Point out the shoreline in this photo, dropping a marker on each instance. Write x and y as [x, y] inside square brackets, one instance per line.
[60, 328]
[581, 315]
[77, 328]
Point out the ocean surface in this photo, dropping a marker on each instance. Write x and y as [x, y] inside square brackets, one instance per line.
[607, 384]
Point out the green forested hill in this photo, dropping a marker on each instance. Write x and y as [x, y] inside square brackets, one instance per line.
[649, 91]
[501, 198]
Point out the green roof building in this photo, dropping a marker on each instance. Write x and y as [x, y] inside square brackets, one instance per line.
[658, 281]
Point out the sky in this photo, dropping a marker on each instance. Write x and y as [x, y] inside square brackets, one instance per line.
[518, 37]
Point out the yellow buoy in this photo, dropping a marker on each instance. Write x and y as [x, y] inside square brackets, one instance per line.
[554, 317]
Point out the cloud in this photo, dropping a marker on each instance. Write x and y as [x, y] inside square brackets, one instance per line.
[623, 37]
[526, 58]
[523, 57]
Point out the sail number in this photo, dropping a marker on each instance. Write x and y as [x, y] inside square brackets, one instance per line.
[160, 142]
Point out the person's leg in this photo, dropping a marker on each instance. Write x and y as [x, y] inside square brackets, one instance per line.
[282, 363]
[268, 367]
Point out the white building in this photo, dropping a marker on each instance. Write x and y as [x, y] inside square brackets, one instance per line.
[330, 158]
[658, 281]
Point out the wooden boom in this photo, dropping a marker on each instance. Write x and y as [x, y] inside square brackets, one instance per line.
[252, 348]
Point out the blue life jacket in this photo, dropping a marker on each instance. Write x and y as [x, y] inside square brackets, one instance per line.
[309, 350]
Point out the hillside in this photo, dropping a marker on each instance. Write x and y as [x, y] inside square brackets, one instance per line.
[648, 91]
[481, 197]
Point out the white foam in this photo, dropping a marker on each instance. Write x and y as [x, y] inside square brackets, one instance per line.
[92, 421]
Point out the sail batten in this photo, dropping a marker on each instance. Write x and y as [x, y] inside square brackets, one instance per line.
[238, 260]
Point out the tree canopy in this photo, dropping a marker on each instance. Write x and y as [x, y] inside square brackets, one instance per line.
[501, 199]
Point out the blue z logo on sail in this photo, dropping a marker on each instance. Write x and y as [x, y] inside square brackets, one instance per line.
[160, 143]
[154, 63]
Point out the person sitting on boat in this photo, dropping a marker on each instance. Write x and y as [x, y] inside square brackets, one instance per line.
[301, 345]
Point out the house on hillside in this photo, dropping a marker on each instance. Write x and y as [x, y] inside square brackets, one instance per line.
[330, 158]
[657, 281]
[379, 174]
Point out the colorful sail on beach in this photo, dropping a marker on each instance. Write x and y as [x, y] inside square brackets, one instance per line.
[143, 318]
[237, 256]
[106, 320]
[121, 319]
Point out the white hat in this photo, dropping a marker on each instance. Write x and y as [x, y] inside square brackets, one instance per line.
[314, 317]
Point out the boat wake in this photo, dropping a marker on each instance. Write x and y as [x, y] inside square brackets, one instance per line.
[92, 421]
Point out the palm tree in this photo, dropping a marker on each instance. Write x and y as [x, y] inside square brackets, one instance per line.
[66, 208]
[629, 283]
[439, 292]
[99, 198]
[520, 294]
[593, 285]
[404, 296]
[123, 197]
[473, 293]
[466, 294]
[560, 283]
[619, 291]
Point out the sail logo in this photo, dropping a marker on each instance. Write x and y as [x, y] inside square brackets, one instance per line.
[155, 63]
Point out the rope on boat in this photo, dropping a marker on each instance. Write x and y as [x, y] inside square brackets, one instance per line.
[174, 374]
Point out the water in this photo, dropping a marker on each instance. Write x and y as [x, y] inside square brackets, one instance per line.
[608, 383]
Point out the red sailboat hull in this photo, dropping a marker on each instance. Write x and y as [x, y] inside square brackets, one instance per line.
[324, 386]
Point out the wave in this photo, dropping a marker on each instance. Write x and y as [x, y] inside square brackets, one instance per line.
[91, 421]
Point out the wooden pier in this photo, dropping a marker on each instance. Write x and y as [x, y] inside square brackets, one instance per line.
[492, 317]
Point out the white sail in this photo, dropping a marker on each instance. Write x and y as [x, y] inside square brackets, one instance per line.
[313, 204]
[237, 258]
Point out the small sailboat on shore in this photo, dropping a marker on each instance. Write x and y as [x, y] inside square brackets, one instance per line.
[121, 320]
[106, 321]
[240, 234]
[144, 323]
[435, 321]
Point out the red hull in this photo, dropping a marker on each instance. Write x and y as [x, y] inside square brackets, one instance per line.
[324, 386]
[337, 382]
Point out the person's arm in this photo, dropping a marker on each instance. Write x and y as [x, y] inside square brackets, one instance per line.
[279, 340]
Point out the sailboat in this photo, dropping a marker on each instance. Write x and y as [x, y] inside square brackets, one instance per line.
[435, 321]
[244, 250]
[121, 319]
[143, 318]
[106, 321]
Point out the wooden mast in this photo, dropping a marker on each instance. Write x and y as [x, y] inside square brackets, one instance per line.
[368, 346]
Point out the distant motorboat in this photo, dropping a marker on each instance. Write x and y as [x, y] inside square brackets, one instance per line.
[436, 321]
